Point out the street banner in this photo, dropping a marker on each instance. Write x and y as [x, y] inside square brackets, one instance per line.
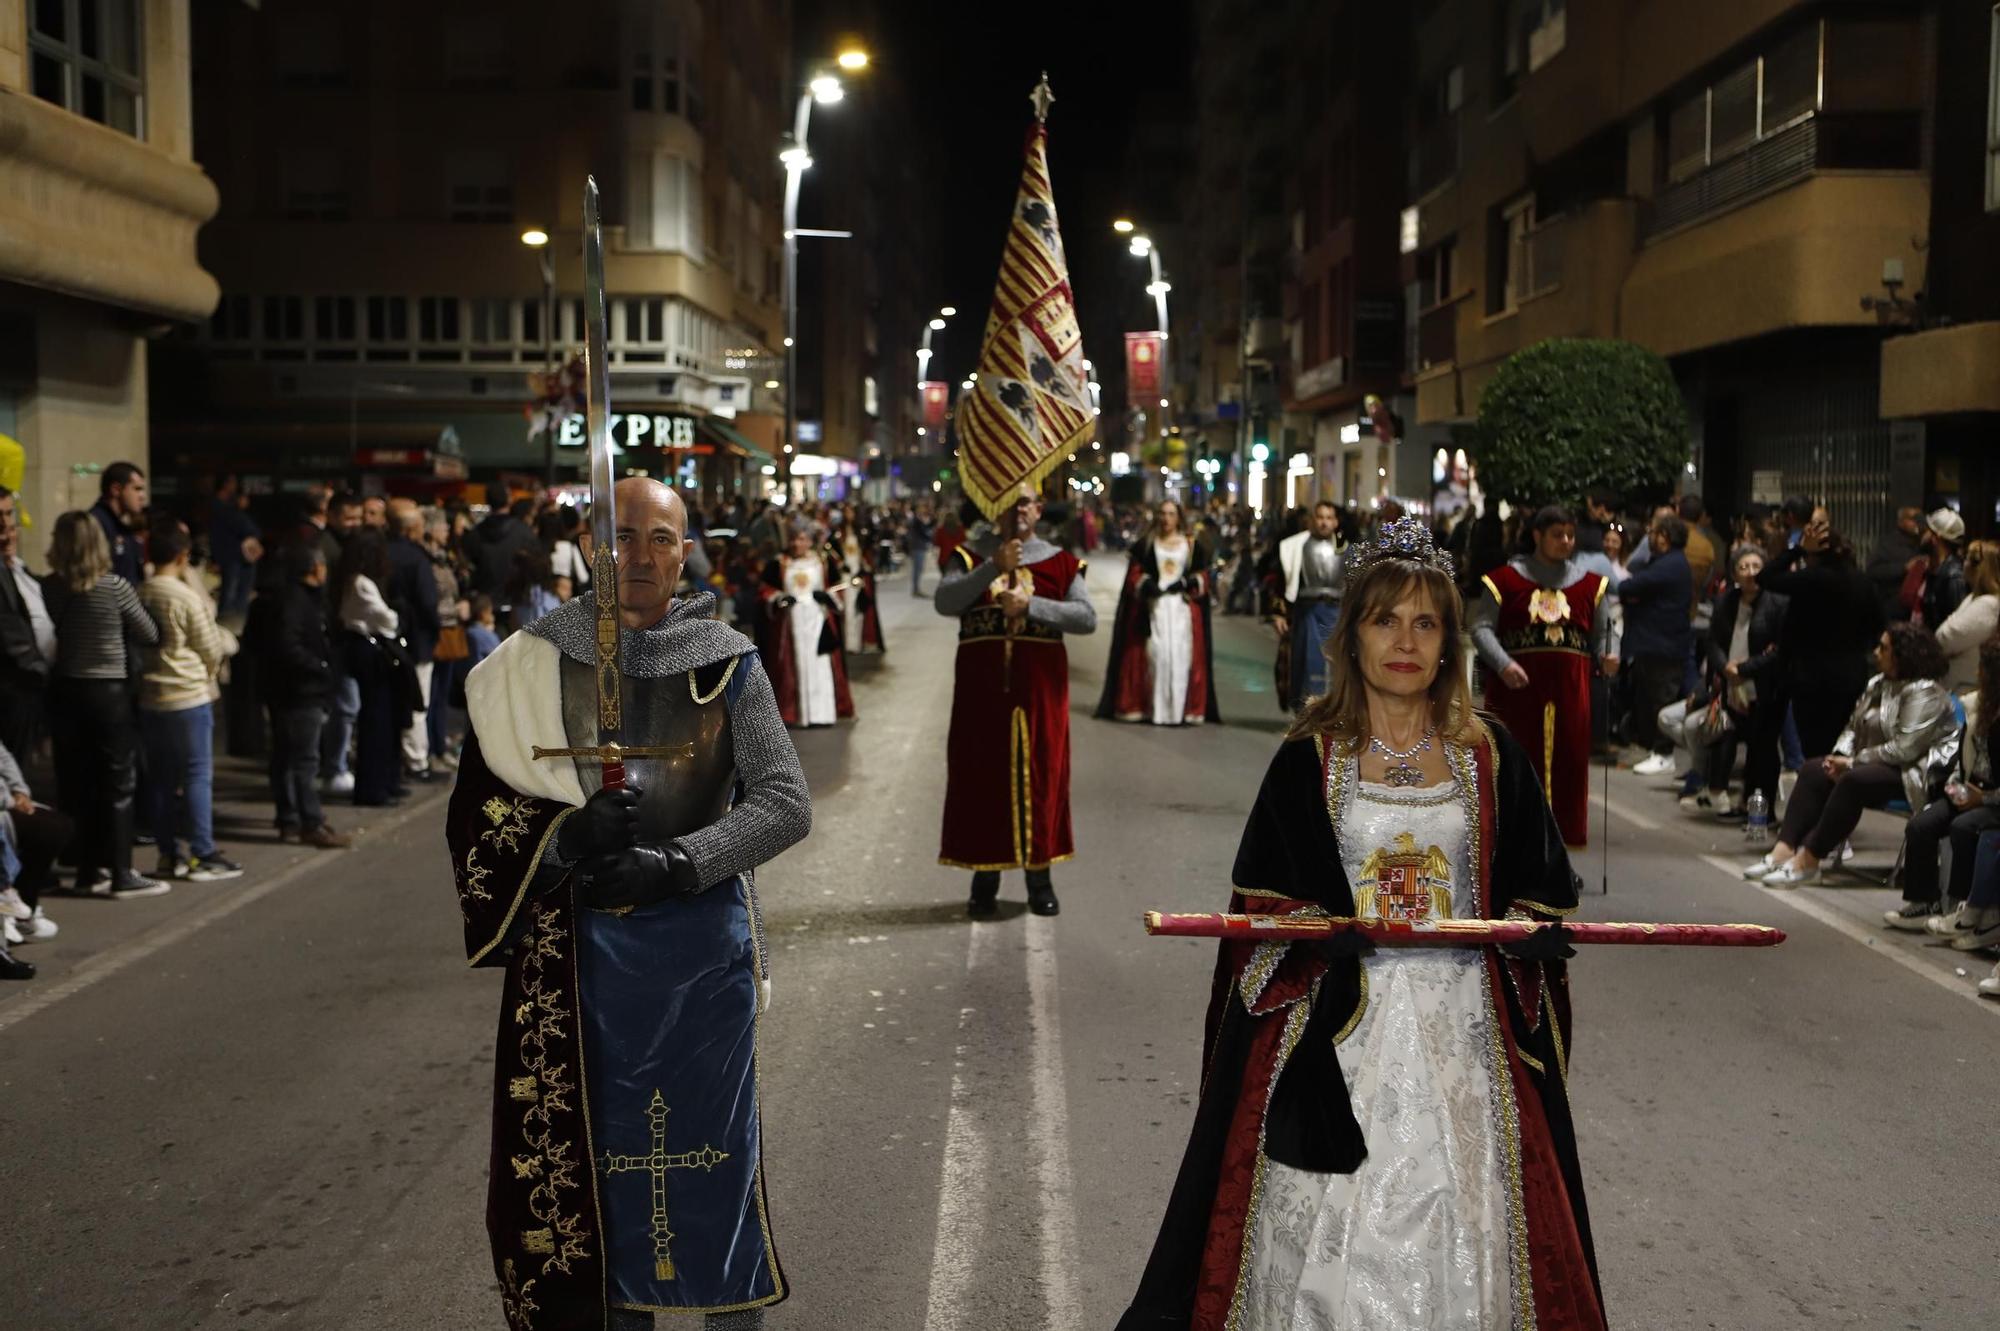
[1142, 370]
[937, 400]
[1029, 407]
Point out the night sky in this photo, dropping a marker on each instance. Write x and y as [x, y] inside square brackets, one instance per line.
[968, 69]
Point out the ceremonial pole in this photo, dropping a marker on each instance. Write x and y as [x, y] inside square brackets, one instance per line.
[1454, 933]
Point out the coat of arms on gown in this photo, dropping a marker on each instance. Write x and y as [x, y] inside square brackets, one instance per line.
[1404, 883]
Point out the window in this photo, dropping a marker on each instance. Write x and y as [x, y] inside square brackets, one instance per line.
[284, 319]
[662, 205]
[1993, 116]
[388, 319]
[479, 186]
[1746, 105]
[437, 319]
[662, 39]
[492, 324]
[1508, 259]
[333, 318]
[475, 51]
[86, 57]
[646, 321]
[1532, 33]
[314, 186]
[231, 320]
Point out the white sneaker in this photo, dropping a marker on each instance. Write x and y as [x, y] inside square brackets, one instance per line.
[1724, 803]
[12, 906]
[1790, 875]
[1653, 764]
[1946, 926]
[1698, 801]
[39, 927]
[9, 931]
[1756, 869]
[1975, 940]
[340, 783]
[1912, 917]
[1990, 986]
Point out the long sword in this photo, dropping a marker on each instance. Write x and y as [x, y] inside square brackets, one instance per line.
[1454, 933]
[608, 751]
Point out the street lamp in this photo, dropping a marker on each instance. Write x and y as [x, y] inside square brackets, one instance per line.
[936, 325]
[1142, 247]
[825, 89]
[536, 239]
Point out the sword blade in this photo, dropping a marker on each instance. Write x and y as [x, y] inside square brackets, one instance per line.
[603, 502]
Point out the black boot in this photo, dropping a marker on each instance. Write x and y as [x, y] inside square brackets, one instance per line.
[985, 894]
[12, 969]
[1042, 893]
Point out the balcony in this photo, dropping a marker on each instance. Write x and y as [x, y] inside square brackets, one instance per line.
[1891, 141]
[1437, 335]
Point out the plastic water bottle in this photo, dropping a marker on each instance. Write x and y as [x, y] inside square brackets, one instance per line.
[1757, 821]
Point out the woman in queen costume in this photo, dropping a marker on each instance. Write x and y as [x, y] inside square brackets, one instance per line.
[1383, 1141]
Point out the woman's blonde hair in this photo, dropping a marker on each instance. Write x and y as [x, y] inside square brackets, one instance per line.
[78, 553]
[1341, 713]
[1982, 568]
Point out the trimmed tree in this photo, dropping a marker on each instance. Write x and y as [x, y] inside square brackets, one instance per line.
[1568, 414]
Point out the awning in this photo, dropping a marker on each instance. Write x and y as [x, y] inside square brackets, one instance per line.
[735, 442]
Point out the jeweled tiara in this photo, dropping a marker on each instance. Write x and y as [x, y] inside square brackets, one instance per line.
[1403, 538]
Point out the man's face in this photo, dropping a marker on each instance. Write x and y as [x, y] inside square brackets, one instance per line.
[128, 500]
[316, 575]
[1555, 543]
[652, 546]
[802, 544]
[1323, 521]
[10, 529]
[1027, 512]
[1657, 537]
[346, 517]
[375, 512]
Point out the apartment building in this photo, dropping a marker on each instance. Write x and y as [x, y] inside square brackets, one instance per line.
[1723, 181]
[98, 220]
[381, 166]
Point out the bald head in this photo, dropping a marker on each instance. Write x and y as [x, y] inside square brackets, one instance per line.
[652, 546]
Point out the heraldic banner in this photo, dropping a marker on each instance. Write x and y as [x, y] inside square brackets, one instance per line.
[1029, 408]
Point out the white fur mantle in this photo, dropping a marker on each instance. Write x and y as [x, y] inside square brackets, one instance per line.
[514, 698]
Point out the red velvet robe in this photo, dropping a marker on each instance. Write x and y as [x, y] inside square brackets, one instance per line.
[1550, 635]
[1006, 798]
[774, 644]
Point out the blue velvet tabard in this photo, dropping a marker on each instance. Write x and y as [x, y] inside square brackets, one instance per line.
[669, 1001]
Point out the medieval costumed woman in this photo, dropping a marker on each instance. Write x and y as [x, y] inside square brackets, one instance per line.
[801, 637]
[851, 551]
[1384, 1137]
[1162, 666]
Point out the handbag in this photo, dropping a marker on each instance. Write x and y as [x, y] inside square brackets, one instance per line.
[1712, 723]
[452, 644]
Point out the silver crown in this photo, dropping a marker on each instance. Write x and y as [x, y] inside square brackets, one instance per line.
[1403, 538]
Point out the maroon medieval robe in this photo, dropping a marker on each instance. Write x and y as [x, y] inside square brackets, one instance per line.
[1549, 633]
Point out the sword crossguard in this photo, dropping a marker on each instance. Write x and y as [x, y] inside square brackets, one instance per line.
[617, 753]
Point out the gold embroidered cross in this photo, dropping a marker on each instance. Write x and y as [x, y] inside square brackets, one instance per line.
[657, 1162]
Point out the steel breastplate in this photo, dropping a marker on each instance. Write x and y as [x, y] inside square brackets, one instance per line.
[681, 791]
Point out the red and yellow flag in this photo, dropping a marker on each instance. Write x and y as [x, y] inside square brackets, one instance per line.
[1029, 408]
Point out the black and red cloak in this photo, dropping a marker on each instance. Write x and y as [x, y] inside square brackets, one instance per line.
[774, 641]
[1128, 673]
[1272, 1085]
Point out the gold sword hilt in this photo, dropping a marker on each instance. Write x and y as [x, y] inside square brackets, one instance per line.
[611, 753]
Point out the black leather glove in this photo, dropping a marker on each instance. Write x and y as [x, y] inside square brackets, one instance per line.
[825, 599]
[783, 603]
[607, 823]
[1343, 945]
[1549, 943]
[1149, 587]
[638, 876]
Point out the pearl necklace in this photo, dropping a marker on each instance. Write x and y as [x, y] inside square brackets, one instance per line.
[1403, 773]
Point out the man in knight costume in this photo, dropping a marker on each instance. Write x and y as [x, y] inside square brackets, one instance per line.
[626, 772]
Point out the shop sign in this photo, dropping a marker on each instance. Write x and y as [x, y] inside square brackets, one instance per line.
[632, 431]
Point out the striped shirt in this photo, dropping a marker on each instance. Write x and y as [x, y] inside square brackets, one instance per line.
[93, 627]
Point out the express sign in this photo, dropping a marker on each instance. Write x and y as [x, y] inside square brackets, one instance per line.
[632, 431]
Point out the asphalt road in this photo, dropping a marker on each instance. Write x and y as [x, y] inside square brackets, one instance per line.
[264, 1103]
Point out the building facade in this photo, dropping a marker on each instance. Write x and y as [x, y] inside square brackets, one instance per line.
[384, 168]
[101, 204]
[1722, 181]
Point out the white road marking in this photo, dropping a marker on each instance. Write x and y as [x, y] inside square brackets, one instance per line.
[1639, 820]
[1049, 1133]
[1842, 923]
[962, 1188]
[113, 960]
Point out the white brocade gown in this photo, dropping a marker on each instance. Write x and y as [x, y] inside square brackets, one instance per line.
[1170, 645]
[1417, 1239]
[806, 620]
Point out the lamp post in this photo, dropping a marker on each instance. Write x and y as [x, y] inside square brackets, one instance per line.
[826, 90]
[936, 325]
[1141, 246]
[537, 240]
